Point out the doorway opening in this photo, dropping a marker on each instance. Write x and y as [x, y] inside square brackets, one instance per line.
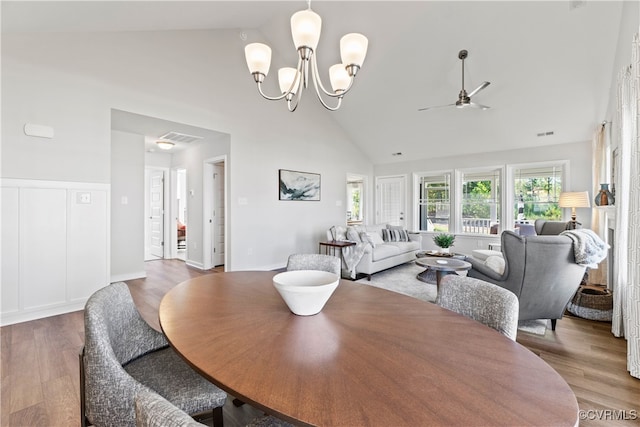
[391, 200]
[181, 214]
[215, 212]
[154, 214]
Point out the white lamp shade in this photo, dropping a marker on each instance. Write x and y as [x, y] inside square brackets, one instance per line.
[305, 29]
[574, 199]
[286, 76]
[339, 77]
[258, 56]
[353, 49]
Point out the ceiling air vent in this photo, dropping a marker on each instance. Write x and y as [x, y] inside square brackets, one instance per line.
[180, 137]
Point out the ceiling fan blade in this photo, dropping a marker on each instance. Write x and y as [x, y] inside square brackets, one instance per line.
[478, 89]
[479, 106]
[435, 107]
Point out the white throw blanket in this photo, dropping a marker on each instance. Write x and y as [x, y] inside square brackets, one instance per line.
[589, 249]
[351, 255]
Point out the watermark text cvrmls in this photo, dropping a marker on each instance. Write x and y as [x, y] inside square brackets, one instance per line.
[609, 414]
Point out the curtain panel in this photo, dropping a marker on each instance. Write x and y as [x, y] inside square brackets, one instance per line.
[598, 218]
[626, 309]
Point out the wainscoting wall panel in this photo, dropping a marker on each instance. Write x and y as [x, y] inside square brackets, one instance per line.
[55, 246]
[10, 297]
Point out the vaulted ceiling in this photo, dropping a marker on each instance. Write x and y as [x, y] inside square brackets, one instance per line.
[550, 63]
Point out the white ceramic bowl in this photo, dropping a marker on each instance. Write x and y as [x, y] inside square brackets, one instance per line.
[305, 291]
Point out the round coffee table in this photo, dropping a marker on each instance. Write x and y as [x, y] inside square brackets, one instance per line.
[441, 266]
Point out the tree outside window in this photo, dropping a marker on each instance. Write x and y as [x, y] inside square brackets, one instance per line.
[536, 193]
[480, 204]
[354, 197]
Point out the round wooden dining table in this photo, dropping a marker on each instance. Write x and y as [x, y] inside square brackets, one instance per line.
[371, 357]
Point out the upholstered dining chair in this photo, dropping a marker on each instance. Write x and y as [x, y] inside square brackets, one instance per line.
[485, 302]
[123, 356]
[321, 262]
[153, 410]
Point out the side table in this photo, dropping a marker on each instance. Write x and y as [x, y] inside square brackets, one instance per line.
[333, 246]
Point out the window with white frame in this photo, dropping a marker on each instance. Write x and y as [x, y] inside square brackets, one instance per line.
[481, 201]
[434, 202]
[536, 193]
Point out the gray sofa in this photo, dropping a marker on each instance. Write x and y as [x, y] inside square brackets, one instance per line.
[540, 270]
[377, 254]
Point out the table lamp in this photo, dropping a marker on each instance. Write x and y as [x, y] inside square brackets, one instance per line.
[573, 200]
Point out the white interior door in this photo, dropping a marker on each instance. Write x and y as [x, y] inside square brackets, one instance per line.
[156, 213]
[218, 214]
[391, 200]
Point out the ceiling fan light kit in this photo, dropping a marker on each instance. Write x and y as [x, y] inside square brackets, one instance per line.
[464, 98]
[305, 30]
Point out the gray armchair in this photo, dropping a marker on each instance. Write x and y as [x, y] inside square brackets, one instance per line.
[123, 356]
[540, 270]
[329, 263]
[550, 228]
[484, 302]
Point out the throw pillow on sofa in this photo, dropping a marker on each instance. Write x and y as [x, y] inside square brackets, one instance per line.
[353, 235]
[395, 235]
[373, 238]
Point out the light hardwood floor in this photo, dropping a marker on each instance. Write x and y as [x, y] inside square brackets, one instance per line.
[40, 383]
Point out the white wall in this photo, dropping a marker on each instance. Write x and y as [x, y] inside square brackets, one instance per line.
[127, 206]
[629, 25]
[192, 159]
[72, 81]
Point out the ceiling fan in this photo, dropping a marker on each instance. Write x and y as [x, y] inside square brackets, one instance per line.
[464, 98]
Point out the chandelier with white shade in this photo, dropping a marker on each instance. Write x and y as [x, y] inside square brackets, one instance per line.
[305, 29]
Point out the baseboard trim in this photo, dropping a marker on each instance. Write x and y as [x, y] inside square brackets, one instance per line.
[39, 313]
[128, 276]
[194, 264]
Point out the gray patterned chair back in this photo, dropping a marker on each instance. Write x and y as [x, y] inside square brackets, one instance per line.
[115, 334]
[153, 410]
[321, 262]
[484, 302]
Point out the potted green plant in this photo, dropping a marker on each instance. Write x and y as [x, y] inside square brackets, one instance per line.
[444, 241]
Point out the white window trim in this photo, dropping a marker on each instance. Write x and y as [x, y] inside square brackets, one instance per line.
[458, 195]
[506, 198]
[416, 196]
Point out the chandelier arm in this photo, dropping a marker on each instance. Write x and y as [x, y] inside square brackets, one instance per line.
[298, 97]
[324, 104]
[294, 83]
[270, 98]
[318, 81]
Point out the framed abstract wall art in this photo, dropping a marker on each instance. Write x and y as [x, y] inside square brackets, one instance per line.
[299, 186]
